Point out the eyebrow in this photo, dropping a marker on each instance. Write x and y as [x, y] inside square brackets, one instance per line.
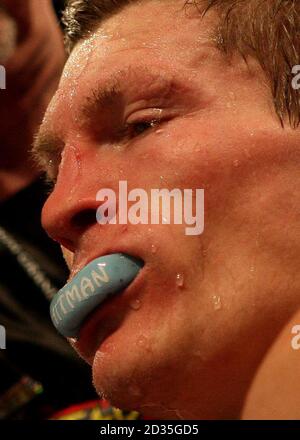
[45, 146]
[103, 95]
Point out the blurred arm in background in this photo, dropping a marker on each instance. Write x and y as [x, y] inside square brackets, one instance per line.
[32, 52]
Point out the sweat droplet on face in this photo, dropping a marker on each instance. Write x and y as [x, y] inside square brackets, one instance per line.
[51, 167]
[179, 280]
[252, 271]
[135, 304]
[217, 302]
[153, 249]
[142, 340]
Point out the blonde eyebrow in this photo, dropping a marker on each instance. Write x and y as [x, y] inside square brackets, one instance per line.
[45, 146]
[104, 95]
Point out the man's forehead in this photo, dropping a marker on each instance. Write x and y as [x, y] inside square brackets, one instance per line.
[104, 57]
[153, 26]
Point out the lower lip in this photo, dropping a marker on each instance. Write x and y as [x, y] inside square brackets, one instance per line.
[94, 332]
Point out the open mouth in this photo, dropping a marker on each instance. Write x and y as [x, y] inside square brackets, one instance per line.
[101, 278]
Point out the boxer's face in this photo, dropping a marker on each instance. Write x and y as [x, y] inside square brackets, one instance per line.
[186, 341]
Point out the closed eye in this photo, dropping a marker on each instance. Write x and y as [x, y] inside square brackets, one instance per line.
[138, 128]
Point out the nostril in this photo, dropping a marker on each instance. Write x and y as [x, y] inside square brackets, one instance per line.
[84, 219]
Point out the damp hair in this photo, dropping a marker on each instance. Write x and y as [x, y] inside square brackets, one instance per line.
[268, 30]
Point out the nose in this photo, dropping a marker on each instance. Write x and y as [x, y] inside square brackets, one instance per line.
[65, 222]
[71, 208]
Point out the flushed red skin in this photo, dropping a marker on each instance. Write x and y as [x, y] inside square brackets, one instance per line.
[177, 356]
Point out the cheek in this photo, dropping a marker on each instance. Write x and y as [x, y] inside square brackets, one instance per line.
[185, 153]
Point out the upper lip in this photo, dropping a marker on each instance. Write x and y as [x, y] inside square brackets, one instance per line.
[78, 266]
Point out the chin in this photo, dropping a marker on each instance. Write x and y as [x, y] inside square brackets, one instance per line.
[137, 380]
[125, 375]
[118, 383]
[138, 394]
